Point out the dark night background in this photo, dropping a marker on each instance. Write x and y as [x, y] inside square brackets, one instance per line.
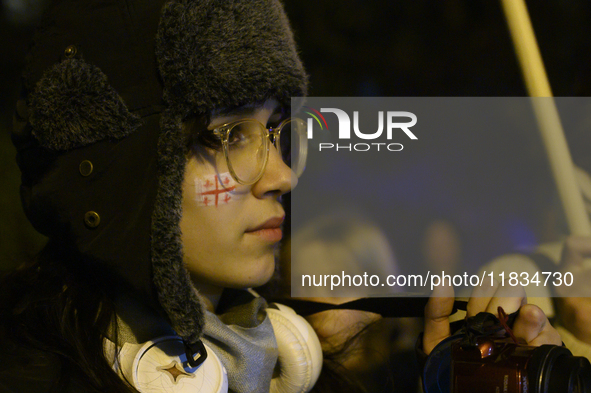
[378, 48]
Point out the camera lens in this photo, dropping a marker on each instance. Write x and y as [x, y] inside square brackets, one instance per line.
[548, 369]
[554, 369]
[571, 375]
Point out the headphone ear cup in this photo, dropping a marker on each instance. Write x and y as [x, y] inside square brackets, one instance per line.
[300, 353]
[161, 366]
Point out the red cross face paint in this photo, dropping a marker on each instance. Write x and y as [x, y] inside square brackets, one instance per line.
[215, 190]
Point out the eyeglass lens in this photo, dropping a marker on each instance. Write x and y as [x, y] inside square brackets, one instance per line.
[246, 147]
[246, 150]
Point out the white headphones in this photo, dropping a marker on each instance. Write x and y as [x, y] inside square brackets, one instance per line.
[300, 353]
[161, 365]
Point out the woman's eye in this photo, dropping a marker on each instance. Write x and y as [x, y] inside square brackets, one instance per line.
[210, 140]
[243, 135]
[237, 138]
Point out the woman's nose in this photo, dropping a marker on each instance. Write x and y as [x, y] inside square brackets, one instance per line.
[278, 178]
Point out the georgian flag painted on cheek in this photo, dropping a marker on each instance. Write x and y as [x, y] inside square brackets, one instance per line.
[214, 190]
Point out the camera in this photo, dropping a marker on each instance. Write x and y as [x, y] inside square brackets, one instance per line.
[485, 357]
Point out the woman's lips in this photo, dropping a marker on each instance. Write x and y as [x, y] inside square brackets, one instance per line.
[270, 230]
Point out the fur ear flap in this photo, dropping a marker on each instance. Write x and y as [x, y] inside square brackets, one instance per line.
[73, 105]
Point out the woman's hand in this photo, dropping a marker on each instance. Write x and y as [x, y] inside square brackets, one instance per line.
[531, 324]
[574, 305]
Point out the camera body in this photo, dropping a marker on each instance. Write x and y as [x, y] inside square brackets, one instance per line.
[487, 360]
[491, 365]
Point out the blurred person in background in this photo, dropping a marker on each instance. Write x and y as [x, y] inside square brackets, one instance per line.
[379, 352]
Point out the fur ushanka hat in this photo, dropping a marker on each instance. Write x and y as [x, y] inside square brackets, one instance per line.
[98, 129]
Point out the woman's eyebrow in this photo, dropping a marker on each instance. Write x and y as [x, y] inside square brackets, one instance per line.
[245, 111]
[242, 111]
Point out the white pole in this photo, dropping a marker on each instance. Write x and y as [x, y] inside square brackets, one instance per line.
[547, 117]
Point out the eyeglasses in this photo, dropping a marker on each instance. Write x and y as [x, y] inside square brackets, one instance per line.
[246, 147]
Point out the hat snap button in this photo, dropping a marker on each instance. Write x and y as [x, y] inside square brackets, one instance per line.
[86, 168]
[92, 219]
[70, 51]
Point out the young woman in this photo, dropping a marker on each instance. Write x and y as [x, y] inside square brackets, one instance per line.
[148, 136]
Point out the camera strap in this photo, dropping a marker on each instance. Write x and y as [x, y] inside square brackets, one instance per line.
[388, 307]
